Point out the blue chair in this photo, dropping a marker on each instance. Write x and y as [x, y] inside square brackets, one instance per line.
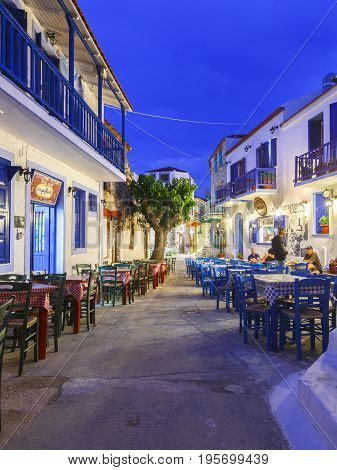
[277, 268]
[308, 316]
[253, 315]
[222, 288]
[205, 279]
[302, 267]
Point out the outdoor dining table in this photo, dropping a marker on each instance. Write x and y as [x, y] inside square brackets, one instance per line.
[275, 287]
[158, 273]
[39, 299]
[75, 288]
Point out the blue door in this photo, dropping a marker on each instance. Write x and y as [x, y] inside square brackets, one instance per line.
[43, 238]
[4, 213]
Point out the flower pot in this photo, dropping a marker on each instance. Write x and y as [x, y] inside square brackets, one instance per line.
[325, 229]
[268, 186]
[333, 268]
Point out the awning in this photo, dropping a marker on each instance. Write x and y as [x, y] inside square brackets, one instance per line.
[193, 223]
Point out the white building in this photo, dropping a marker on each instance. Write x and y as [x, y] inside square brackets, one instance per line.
[54, 83]
[284, 173]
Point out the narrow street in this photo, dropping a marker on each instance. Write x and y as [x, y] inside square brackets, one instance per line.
[168, 372]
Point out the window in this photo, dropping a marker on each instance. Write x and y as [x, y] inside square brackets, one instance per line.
[164, 177]
[80, 219]
[261, 230]
[266, 154]
[315, 132]
[4, 212]
[215, 164]
[220, 158]
[238, 169]
[92, 203]
[321, 215]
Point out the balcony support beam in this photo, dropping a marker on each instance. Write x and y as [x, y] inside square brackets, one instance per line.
[80, 35]
[100, 94]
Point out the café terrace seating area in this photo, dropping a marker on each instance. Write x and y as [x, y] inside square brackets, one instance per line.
[276, 306]
[36, 311]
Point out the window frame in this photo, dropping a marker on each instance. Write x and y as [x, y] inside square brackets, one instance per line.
[80, 249]
[92, 213]
[315, 218]
[9, 266]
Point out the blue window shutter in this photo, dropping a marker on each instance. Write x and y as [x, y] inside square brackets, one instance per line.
[333, 121]
[77, 222]
[273, 152]
[234, 172]
[5, 213]
[258, 157]
[92, 203]
[80, 219]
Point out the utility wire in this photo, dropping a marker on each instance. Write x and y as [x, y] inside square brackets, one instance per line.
[168, 118]
[281, 75]
[162, 141]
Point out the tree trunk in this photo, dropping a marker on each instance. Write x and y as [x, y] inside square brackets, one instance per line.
[159, 244]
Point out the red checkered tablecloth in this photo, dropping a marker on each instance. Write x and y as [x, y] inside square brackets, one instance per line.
[123, 275]
[39, 297]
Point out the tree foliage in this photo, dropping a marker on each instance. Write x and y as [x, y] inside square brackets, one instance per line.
[164, 205]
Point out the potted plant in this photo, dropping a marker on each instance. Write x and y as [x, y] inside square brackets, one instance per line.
[333, 266]
[240, 255]
[324, 223]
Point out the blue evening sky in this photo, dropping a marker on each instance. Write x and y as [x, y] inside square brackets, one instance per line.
[208, 60]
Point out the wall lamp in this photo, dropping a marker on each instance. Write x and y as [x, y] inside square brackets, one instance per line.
[273, 129]
[329, 197]
[26, 173]
[247, 148]
[73, 191]
[104, 203]
[52, 37]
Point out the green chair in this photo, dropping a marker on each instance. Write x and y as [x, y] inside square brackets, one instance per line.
[80, 267]
[25, 326]
[111, 289]
[88, 303]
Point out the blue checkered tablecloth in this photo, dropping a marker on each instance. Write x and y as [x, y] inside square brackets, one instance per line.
[274, 286]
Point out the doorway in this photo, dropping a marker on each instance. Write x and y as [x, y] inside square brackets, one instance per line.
[239, 234]
[43, 238]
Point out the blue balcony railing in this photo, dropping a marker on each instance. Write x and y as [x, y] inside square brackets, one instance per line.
[29, 67]
[224, 193]
[257, 179]
[318, 162]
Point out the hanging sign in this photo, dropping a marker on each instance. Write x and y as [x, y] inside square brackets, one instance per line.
[45, 189]
[260, 206]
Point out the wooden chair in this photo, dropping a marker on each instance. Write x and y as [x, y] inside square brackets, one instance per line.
[25, 326]
[88, 303]
[308, 316]
[80, 267]
[5, 311]
[254, 315]
[111, 289]
[13, 277]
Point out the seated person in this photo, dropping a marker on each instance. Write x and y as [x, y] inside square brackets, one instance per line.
[269, 256]
[253, 257]
[314, 263]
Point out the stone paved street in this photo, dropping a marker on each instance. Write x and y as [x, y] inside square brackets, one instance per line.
[168, 372]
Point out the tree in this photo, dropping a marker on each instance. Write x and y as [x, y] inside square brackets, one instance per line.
[163, 205]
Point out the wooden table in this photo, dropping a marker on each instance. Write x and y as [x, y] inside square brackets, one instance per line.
[39, 299]
[75, 288]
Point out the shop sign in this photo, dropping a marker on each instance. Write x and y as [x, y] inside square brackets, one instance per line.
[260, 206]
[45, 189]
[294, 208]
